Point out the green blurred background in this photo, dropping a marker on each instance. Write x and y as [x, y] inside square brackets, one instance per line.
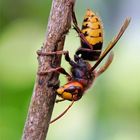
[109, 111]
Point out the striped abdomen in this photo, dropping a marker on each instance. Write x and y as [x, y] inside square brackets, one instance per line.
[93, 32]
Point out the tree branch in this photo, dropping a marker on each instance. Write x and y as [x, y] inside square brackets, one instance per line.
[43, 99]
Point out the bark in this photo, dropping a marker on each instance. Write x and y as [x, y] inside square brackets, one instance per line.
[43, 98]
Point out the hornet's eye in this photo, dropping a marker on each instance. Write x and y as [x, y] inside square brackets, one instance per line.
[70, 89]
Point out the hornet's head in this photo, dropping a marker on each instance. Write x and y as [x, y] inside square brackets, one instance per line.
[71, 91]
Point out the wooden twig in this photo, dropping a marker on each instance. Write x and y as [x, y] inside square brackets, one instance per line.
[43, 99]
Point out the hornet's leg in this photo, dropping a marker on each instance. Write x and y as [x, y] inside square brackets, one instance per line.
[78, 29]
[58, 69]
[66, 53]
[68, 59]
[50, 53]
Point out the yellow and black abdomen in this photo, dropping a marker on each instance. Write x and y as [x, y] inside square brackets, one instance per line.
[93, 32]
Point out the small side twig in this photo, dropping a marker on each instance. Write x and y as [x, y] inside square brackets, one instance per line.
[43, 99]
